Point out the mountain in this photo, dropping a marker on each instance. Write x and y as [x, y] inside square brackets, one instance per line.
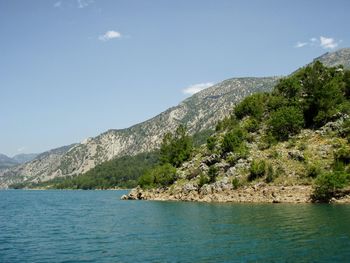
[6, 162]
[340, 57]
[24, 157]
[198, 112]
[290, 145]
[44, 163]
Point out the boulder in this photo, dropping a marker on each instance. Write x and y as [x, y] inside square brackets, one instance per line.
[206, 189]
[189, 187]
[222, 185]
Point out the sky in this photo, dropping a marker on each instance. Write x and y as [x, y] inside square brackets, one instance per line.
[72, 69]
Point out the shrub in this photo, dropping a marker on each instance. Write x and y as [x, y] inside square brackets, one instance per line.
[267, 140]
[342, 155]
[227, 123]
[212, 173]
[289, 87]
[347, 83]
[275, 102]
[251, 106]
[176, 148]
[203, 179]
[235, 183]
[313, 170]
[257, 169]
[232, 140]
[240, 153]
[164, 175]
[270, 174]
[211, 143]
[251, 125]
[285, 122]
[345, 129]
[161, 175]
[328, 184]
[146, 180]
[322, 90]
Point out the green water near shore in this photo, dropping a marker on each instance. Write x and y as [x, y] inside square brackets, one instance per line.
[95, 226]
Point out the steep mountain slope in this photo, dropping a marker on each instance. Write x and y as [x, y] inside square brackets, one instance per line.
[24, 157]
[45, 163]
[199, 112]
[340, 57]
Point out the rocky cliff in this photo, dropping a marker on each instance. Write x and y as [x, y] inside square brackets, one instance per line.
[199, 112]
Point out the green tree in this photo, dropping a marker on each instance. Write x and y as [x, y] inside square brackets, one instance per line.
[347, 84]
[327, 185]
[211, 143]
[212, 173]
[286, 121]
[161, 175]
[289, 87]
[322, 93]
[257, 169]
[176, 148]
[233, 140]
[253, 105]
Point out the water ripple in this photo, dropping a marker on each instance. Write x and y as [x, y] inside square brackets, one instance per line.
[94, 226]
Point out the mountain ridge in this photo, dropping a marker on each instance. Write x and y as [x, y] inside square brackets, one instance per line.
[7, 162]
[198, 112]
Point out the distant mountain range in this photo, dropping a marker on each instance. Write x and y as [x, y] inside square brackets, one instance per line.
[7, 162]
[199, 112]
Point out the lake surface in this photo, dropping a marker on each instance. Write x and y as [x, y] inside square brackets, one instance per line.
[95, 226]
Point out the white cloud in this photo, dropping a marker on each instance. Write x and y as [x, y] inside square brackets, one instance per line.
[190, 90]
[328, 43]
[57, 4]
[110, 35]
[323, 42]
[300, 44]
[84, 3]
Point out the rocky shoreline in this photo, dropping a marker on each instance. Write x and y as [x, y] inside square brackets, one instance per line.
[259, 193]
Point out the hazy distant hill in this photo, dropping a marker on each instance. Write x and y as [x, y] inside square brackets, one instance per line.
[199, 112]
[6, 162]
[24, 157]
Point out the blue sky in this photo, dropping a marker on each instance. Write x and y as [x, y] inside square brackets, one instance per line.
[71, 69]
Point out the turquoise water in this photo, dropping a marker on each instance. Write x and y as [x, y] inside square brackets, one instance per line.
[95, 226]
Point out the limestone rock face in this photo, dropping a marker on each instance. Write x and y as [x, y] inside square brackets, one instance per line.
[198, 112]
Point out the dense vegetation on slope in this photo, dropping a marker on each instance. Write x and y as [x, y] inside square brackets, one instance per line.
[121, 172]
[175, 149]
[309, 99]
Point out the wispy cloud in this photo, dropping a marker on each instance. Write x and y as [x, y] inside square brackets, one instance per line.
[328, 43]
[110, 35]
[57, 4]
[192, 89]
[84, 3]
[323, 42]
[300, 44]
